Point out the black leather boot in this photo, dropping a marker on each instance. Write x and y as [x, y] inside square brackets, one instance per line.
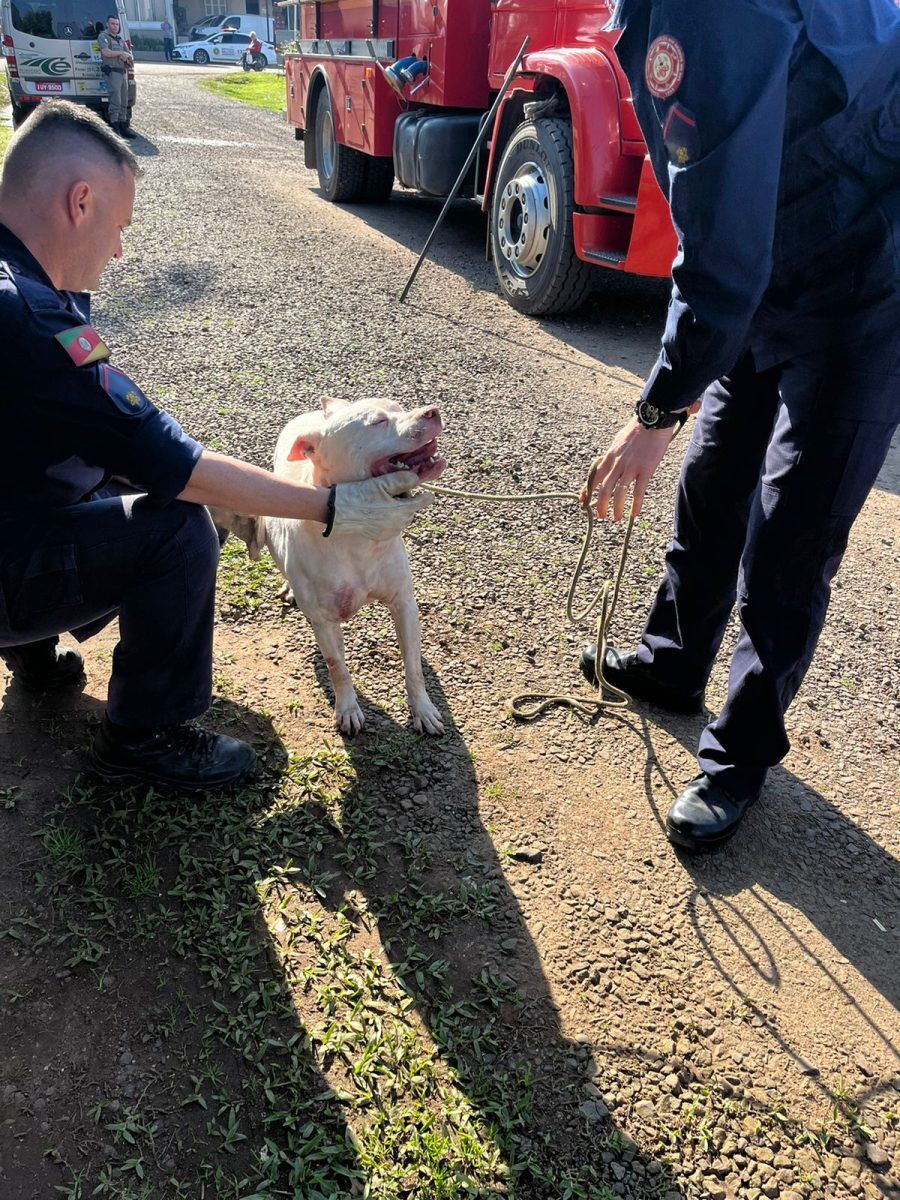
[705, 815]
[125, 131]
[42, 666]
[183, 756]
[626, 672]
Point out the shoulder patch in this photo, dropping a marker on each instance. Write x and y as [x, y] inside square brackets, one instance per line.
[681, 136]
[125, 395]
[664, 67]
[83, 345]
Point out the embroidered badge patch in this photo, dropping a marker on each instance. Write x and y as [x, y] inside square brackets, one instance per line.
[83, 345]
[664, 67]
[125, 394]
[681, 136]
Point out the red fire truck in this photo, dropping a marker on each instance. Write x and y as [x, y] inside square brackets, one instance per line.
[399, 89]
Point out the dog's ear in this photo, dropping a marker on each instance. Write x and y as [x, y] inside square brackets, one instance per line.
[304, 446]
[332, 404]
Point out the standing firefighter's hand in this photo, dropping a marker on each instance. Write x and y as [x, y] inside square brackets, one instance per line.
[632, 458]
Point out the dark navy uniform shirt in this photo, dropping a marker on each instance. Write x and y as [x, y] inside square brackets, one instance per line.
[69, 419]
[773, 127]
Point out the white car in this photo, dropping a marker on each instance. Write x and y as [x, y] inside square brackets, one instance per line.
[222, 47]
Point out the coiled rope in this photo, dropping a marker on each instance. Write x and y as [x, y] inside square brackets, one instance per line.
[608, 695]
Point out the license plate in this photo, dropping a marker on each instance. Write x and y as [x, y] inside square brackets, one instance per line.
[48, 87]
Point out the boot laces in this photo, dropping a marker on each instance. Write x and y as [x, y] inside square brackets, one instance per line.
[199, 743]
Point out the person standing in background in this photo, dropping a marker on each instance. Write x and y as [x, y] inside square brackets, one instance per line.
[116, 61]
[168, 34]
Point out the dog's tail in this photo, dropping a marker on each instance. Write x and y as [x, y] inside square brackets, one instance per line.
[251, 530]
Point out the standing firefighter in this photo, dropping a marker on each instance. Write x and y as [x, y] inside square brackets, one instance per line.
[774, 127]
[116, 61]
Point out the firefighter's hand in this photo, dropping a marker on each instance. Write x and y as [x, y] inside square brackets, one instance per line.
[630, 461]
[376, 508]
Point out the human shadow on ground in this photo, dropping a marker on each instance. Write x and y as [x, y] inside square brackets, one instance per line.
[436, 888]
[797, 848]
[201, 1016]
[143, 147]
[137, 996]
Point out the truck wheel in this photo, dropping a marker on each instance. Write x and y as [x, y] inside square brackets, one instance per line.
[531, 221]
[342, 170]
[379, 180]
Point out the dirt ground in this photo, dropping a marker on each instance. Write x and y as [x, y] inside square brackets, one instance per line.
[470, 966]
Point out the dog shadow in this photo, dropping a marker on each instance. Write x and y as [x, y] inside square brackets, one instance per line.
[151, 998]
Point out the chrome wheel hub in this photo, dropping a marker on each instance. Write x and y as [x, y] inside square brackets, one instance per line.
[327, 148]
[523, 219]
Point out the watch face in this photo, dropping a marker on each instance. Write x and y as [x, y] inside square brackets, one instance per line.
[648, 414]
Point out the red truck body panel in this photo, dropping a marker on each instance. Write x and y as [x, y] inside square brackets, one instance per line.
[622, 219]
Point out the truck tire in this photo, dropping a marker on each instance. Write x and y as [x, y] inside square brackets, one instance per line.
[531, 221]
[342, 170]
[379, 180]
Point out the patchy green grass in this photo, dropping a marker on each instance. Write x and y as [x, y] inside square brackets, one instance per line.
[356, 1068]
[5, 135]
[263, 89]
[244, 585]
[319, 1012]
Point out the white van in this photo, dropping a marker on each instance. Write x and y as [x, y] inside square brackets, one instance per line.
[51, 51]
[263, 27]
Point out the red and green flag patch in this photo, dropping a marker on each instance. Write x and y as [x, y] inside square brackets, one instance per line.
[83, 345]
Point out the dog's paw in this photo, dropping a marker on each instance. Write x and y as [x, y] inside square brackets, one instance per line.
[425, 717]
[348, 717]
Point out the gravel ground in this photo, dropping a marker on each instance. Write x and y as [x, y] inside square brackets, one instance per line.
[761, 982]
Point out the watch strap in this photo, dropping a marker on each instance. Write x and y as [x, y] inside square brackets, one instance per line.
[666, 420]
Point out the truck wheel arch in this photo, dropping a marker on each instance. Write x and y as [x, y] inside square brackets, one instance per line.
[317, 81]
[595, 118]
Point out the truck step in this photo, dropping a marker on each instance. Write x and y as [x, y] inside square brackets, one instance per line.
[619, 203]
[610, 258]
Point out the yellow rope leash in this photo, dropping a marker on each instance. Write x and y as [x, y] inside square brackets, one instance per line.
[608, 696]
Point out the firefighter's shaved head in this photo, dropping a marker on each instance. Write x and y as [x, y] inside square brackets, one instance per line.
[57, 140]
[67, 192]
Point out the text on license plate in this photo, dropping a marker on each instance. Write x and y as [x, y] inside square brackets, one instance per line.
[48, 87]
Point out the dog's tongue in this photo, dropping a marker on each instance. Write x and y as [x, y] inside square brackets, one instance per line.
[422, 461]
[417, 457]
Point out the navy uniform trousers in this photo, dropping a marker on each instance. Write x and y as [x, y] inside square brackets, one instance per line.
[153, 565]
[778, 467]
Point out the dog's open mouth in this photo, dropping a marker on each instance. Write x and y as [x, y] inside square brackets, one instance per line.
[424, 461]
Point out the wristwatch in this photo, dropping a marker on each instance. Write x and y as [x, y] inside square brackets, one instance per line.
[652, 417]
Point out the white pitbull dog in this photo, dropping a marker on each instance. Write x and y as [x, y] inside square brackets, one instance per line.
[333, 578]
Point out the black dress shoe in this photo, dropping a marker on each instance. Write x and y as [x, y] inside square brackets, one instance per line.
[183, 756]
[705, 815]
[42, 666]
[626, 672]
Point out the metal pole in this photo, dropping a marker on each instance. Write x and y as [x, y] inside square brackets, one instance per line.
[461, 176]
